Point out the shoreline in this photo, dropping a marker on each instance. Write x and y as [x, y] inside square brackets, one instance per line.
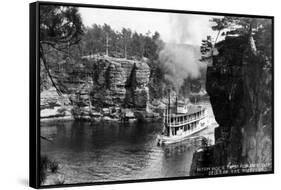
[67, 118]
[71, 118]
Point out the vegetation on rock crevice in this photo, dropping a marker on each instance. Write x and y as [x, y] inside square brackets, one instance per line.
[239, 83]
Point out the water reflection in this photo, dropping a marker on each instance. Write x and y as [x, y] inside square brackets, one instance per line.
[90, 152]
[107, 151]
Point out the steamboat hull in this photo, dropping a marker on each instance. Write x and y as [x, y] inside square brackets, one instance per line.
[164, 140]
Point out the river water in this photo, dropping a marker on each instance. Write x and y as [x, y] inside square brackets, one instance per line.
[109, 151]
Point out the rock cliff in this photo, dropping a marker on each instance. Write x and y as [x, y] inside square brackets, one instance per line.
[239, 84]
[97, 84]
[120, 82]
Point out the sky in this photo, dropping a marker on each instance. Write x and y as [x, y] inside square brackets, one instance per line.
[173, 27]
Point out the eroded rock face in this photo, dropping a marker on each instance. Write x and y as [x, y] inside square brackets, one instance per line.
[106, 83]
[120, 82]
[240, 88]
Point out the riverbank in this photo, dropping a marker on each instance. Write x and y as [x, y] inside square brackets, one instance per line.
[66, 107]
[123, 115]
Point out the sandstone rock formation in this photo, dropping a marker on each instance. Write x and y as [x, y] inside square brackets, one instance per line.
[120, 82]
[110, 83]
[240, 88]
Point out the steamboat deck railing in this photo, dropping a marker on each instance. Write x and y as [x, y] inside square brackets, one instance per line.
[178, 123]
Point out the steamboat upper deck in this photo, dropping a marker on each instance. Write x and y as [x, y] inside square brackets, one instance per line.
[183, 116]
[182, 121]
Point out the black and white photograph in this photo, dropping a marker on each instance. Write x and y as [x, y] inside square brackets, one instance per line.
[140, 94]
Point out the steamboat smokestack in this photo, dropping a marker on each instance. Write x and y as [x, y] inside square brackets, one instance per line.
[176, 103]
[169, 103]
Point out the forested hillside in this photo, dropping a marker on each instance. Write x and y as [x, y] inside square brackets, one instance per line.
[66, 43]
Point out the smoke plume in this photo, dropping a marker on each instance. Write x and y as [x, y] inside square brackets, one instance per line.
[180, 56]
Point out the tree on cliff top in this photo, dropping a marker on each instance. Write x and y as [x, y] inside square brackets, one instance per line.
[258, 28]
[60, 28]
[258, 31]
[126, 35]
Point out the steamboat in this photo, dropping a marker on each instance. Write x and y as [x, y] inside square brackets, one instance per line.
[181, 121]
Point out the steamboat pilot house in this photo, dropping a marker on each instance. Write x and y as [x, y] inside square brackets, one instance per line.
[181, 121]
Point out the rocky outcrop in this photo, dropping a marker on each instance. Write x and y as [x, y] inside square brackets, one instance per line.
[106, 83]
[54, 106]
[240, 88]
[120, 82]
